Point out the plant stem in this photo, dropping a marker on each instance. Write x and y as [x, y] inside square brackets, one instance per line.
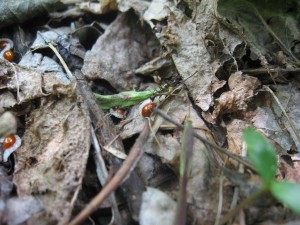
[243, 204]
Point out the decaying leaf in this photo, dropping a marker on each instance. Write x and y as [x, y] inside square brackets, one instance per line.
[267, 26]
[241, 92]
[234, 135]
[289, 169]
[12, 12]
[289, 96]
[51, 162]
[208, 46]
[266, 121]
[187, 41]
[29, 84]
[203, 173]
[123, 47]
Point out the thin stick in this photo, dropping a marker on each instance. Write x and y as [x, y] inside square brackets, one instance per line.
[125, 169]
[211, 144]
[62, 61]
[272, 70]
[102, 175]
[283, 111]
[220, 205]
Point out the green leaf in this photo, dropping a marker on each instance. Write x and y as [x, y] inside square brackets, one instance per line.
[123, 99]
[287, 193]
[262, 155]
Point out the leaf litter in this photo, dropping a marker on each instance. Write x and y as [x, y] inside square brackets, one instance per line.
[220, 54]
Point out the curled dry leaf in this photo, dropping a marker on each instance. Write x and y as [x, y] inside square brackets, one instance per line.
[241, 92]
[51, 162]
[217, 85]
[123, 47]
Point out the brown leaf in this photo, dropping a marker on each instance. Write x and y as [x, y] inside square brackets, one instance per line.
[234, 135]
[241, 92]
[29, 84]
[289, 172]
[187, 41]
[123, 47]
[51, 162]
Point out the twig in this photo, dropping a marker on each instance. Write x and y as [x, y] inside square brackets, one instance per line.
[133, 187]
[241, 169]
[220, 205]
[102, 175]
[125, 169]
[277, 39]
[205, 141]
[62, 61]
[271, 70]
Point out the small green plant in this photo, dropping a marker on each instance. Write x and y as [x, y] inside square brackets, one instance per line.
[263, 156]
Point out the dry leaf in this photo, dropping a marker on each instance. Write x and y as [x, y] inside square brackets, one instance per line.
[51, 162]
[123, 47]
[234, 135]
[289, 97]
[266, 122]
[29, 84]
[242, 89]
[19, 11]
[187, 42]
